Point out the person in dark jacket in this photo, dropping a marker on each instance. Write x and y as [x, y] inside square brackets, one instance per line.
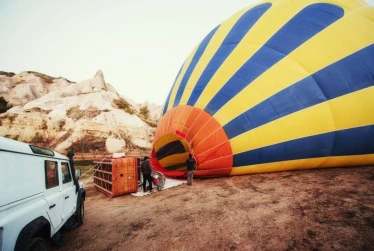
[146, 169]
[191, 167]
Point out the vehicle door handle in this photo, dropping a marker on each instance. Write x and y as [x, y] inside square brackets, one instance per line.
[66, 197]
[52, 206]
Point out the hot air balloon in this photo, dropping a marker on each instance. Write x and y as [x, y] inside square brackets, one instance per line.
[281, 85]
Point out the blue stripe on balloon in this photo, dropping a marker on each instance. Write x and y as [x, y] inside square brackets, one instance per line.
[233, 38]
[168, 98]
[199, 52]
[304, 25]
[350, 74]
[353, 141]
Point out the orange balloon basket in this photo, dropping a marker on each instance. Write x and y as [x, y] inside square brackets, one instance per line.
[116, 176]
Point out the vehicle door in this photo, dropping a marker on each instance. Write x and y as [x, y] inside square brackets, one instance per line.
[68, 190]
[53, 194]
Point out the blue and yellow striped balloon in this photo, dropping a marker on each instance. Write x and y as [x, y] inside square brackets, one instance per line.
[281, 85]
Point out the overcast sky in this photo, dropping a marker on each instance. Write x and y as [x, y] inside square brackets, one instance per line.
[138, 44]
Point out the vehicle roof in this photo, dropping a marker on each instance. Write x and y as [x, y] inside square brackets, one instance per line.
[20, 147]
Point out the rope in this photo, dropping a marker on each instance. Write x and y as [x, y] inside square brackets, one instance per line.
[96, 165]
[88, 171]
[89, 179]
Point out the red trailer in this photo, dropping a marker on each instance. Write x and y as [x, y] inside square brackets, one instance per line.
[116, 176]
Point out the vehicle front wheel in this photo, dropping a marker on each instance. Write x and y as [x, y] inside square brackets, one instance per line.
[37, 244]
[80, 213]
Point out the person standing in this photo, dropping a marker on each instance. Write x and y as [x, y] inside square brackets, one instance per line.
[146, 169]
[191, 167]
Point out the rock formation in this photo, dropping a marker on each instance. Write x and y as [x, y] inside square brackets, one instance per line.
[88, 116]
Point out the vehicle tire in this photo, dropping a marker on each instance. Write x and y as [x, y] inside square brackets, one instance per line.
[80, 213]
[37, 244]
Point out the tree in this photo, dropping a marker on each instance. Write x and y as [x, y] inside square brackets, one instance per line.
[144, 111]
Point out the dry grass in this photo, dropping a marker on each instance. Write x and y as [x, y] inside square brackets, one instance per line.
[65, 136]
[44, 125]
[76, 113]
[8, 74]
[61, 123]
[88, 143]
[47, 79]
[124, 105]
[47, 139]
[38, 110]
[11, 118]
[150, 123]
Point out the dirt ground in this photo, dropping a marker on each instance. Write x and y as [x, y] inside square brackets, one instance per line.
[326, 209]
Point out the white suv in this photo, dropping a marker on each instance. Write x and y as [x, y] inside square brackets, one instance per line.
[38, 196]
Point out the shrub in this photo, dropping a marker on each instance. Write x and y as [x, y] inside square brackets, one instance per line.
[39, 110]
[37, 139]
[124, 105]
[144, 111]
[61, 123]
[65, 136]
[46, 140]
[128, 140]
[47, 79]
[44, 125]
[76, 113]
[11, 118]
[150, 123]
[87, 143]
[8, 74]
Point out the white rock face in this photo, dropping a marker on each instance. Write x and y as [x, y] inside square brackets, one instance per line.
[62, 112]
[119, 117]
[142, 143]
[6, 84]
[59, 84]
[154, 110]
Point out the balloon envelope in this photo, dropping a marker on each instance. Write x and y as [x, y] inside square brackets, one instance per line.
[281, 85]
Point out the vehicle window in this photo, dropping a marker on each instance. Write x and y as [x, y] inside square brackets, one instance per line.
[66, 177]
[51, 174]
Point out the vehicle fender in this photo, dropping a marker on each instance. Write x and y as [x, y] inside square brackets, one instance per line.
[29, 231]
[81, 194]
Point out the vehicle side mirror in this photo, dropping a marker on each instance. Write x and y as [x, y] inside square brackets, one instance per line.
[77, 173]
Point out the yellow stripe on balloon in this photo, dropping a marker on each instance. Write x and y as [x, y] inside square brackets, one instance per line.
[368, 12]
[210, 50]
[167, 138]
[323, 162]
[341, 113]
[174, 159]
[314, 55]
[278, 15]
[180, 77]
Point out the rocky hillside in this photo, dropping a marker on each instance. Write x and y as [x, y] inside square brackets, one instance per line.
[88, 116]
